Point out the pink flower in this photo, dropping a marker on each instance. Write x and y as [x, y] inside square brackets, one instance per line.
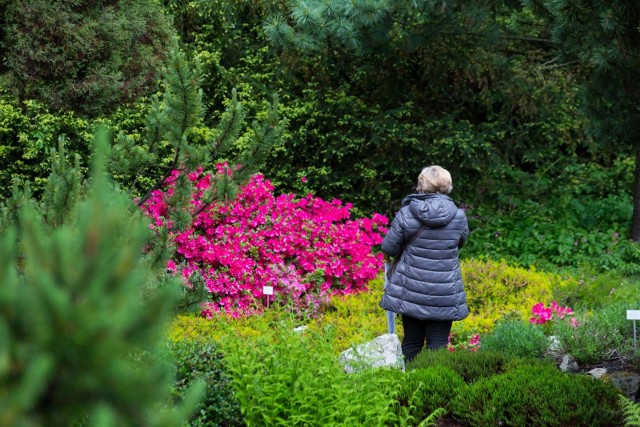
[307, 249]
[475, 340]
[544, 315]
[171, 266]
[303, 179]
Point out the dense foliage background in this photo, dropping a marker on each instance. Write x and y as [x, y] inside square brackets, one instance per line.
[267, 141]
[369, 93]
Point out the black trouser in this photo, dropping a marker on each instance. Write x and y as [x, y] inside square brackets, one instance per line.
[416, 331]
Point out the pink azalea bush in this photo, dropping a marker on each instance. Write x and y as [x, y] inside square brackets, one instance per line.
[307, 249]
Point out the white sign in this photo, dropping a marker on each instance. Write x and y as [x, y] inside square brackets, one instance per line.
[633, 314]
[268, 290]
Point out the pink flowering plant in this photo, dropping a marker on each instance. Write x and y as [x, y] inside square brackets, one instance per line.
[545, 316]
[307, 248]
[455, 342]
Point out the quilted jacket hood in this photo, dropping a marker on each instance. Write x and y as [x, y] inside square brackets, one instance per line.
[434, 210]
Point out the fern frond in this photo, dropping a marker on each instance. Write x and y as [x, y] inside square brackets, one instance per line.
[631, 412]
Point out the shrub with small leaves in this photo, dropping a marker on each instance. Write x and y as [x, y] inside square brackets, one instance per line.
[600, 332]
[197, 360]
[539, 395]
[516, 338]
[496, 290]
[356, 318]
[425, 390]
[469, 365]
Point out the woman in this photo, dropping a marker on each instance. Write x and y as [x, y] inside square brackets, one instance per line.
[425, 286]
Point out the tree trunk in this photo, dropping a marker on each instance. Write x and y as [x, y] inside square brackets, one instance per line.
[635, 220]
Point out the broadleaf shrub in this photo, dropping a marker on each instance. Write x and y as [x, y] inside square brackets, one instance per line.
[306, 249]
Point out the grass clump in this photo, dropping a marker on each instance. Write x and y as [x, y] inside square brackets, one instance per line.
[516, 338]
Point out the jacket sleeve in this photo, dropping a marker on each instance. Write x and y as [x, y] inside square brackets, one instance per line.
[395, 238]
[464, 232]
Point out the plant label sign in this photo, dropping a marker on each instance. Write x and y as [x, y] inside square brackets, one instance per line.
[268, 290]
[633, 314]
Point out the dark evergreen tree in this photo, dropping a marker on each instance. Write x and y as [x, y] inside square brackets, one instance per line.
[84, 56]
[604, 38]
[384, 87]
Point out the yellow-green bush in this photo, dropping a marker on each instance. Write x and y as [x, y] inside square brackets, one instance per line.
[495, 290]
[191, 327]
[356, 318]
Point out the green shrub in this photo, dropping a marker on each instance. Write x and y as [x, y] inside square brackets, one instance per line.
[196, 360]
[496, 289]
[28, 132]
[356, 318]
[594, 290]
[598, 333]
[423, 391]
[87, 57]
[538, 395]
[516, 338]
[469, 365]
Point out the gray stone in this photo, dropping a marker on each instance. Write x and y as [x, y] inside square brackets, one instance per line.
[597, 373]
[627, 382]
[554, 346]
[568, 364]
[383, 351]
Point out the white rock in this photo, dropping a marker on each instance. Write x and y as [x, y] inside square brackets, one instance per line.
[383, 351]
[597, 373]
[568, 364]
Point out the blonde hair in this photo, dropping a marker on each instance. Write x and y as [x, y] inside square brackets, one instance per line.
[434, 179]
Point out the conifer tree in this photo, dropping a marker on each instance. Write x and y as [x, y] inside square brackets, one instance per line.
[63, 186]
[83, 56]
[363, 26]
[170, 126]
[77, 343]
[604, 38]
[171, 150]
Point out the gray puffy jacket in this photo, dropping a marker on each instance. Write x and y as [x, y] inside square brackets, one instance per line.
[427, 283]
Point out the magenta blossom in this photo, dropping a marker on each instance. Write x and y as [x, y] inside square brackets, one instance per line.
[454, 343]
[543, 315]
[307, 249]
